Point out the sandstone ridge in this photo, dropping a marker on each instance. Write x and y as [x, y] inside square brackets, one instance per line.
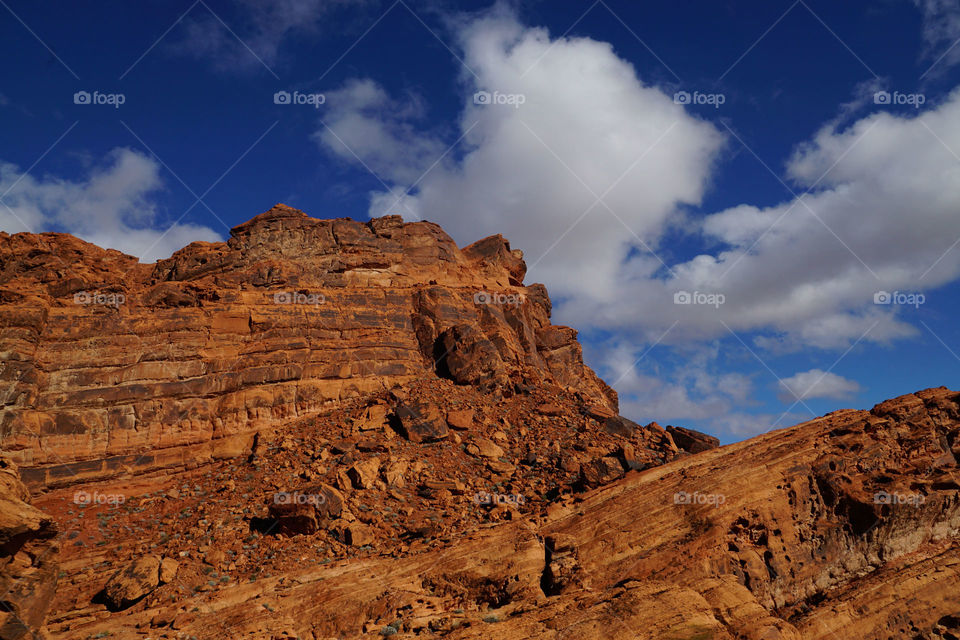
[112, 366]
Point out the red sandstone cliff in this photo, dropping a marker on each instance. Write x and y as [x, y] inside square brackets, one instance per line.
[110, 364]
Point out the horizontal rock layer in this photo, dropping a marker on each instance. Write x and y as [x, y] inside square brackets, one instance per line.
[109, 365]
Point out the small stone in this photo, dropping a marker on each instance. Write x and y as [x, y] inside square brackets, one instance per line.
[358, 535]
[363, 475]
[168, 569]
[549, 409]
[461, 419]
[481, 447]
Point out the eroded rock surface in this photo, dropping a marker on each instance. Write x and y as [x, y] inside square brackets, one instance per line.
[328, 429]
[29, 559]
[845, 526]
[111, 365]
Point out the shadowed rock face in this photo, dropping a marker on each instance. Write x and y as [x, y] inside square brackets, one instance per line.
[692, 441]
[112, 365]
[29, 559]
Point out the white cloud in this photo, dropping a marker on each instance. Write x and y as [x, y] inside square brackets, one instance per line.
[362, 121]
[804, 270]
[588, 126]
[816, 384]
[880, 213]
[694, 390]
[941, 30]
[110, 207]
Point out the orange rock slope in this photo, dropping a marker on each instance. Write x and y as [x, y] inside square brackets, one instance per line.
[842, 527]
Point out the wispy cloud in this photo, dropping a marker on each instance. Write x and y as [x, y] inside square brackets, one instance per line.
[941, 32]
[253, 33]
[816, 384]
[112, 206]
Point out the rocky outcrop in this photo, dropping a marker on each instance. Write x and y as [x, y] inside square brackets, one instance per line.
[692, 441]
[29, 559]
[845, 526]
[111, 366]
[325, 428]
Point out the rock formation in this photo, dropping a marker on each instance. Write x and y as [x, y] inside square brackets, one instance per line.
[327, 429]
[845, 526]
[111, 365]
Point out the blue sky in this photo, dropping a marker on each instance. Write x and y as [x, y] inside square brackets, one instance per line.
[781, 162]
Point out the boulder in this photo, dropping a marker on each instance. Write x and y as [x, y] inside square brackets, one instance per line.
[133, 582]
[358, 534]
[421, 422]
[549, 409]
[306, 510]
[692, 441]
[394, 473]
[469, 357]
[373, 418]
[599, 412]
[620, 426]
[601, 471]
[363, 474]
[168, 570]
